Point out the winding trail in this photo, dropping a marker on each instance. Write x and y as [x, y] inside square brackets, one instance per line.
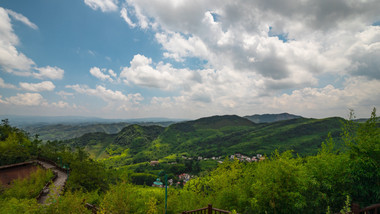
[54, 190]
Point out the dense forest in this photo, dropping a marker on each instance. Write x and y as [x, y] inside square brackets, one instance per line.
[345, 168]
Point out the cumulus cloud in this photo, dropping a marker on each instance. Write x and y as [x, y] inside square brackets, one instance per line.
[100, 74]
[276, 40]
[106, 94]
[33, 102]
[162, 76]
[116, 101]
[103, 5]
[6, 85]
[365, 53]
[11, 60]
[61, 104]
[49, 72]
[15, 62]
[358, 92]
[64, 94]
[26, 99]
[36, 87]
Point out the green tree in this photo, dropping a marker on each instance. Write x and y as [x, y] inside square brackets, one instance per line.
[364, 165]
[280, 185]
[328, 171]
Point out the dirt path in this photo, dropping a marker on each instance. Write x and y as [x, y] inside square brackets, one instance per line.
[52, 192]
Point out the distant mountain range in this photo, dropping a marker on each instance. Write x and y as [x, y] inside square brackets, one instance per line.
[210, 136]
[269, 118]
[64, 128]
[22, 121]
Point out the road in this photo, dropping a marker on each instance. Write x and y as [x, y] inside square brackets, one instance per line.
[52, 192]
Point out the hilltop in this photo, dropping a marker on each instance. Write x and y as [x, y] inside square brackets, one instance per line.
[209, 136]
[270, 118]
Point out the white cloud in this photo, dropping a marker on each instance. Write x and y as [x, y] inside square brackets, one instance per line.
[92, 53]
[36, 87]
[103, 5]
[11, 60]
[162, 76]
[178, 47]
[49, 72]
[64, 94]
[248, 36]
[34, 102]
[358, 93]
[96, 72]
[124, 15]
[365, 53]
[112, 73]
[117, 102]
[6, 85]
[26, 99]
[61, 104]
[22, 19]
[106, 94]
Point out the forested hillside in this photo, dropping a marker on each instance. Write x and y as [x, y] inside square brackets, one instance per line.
[67, 131]
[325, 182]
[270, 118]
[211, 136]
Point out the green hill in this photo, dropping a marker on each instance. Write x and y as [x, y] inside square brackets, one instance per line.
[270, 118]
[67, 131]
[136, 137]
[208, 137]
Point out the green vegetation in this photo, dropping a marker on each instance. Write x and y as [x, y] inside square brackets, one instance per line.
[344, 169]
[68, 131]
[208, 137]
[28, 187]
[270, 118]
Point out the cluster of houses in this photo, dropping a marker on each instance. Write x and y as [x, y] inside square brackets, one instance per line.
[184, 178]
[202, 158]
[240, 157]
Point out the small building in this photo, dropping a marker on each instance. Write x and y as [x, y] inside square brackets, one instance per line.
[158, 183]
[184, 176]
[154, 163]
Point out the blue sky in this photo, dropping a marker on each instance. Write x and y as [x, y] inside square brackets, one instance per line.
[188, 59]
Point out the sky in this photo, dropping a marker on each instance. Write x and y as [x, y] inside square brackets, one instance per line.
[189, 59]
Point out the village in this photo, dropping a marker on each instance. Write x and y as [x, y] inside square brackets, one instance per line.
[185, 177]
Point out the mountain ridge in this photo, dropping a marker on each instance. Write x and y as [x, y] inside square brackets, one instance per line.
[269, 118]
[214, 136]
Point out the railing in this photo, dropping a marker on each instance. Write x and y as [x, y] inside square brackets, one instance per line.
[373, 209]
[53, 163]
[46, 186]
[207, 210]
[91, 207]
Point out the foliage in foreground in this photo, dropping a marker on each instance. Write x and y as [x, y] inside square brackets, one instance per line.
[283, 183]
[28, 187]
